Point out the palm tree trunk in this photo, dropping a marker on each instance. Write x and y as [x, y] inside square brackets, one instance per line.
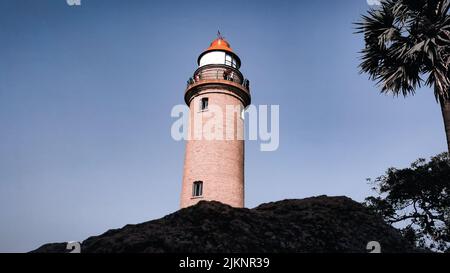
[445, 106]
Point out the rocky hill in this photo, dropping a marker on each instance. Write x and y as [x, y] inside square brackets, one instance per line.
[318, 224]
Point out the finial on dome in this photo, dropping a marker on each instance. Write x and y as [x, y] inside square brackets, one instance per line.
[219, 35]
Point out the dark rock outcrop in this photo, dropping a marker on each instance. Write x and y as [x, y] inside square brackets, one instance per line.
[318, 224]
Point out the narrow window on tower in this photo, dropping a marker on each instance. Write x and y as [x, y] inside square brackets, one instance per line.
[197, 189]
[204, 104]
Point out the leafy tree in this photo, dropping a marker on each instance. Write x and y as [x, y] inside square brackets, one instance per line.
[407, 44]
[418, 198]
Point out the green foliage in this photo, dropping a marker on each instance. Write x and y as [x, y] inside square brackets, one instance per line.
[405, 41]
[419, 198]
[407, 44]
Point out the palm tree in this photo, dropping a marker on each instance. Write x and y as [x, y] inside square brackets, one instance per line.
[408, 45]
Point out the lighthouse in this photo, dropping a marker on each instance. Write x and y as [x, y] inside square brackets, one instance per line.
[216, 94]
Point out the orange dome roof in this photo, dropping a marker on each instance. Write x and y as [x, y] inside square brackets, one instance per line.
[220, 44]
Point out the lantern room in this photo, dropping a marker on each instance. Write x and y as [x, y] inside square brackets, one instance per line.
[219, 52]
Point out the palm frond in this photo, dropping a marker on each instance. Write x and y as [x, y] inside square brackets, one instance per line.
[405, 40]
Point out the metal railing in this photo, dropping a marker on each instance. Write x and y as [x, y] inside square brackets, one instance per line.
[219, 74]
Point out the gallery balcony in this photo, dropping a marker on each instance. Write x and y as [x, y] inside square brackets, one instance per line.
[218, 75]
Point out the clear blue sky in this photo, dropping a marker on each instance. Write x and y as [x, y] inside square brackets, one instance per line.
[86, 94]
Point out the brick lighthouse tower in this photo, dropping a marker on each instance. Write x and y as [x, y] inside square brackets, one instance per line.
[214, 166]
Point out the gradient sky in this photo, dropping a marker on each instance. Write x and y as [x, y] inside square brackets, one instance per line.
[86, 94]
